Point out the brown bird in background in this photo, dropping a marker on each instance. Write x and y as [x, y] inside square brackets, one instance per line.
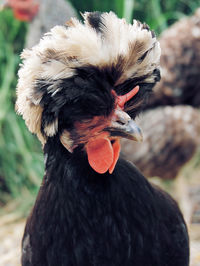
[171, 138]
[180, 64]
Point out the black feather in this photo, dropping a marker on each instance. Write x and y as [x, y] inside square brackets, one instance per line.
[82, 218]
[88, 94]
[95, 20]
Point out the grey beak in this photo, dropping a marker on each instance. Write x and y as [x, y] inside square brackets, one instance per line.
[123, 126]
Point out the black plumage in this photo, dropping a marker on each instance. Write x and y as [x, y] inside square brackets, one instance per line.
[86, 214]
[84, 218]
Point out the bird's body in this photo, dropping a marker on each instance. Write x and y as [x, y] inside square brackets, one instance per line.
[180, 64]
[79, 91]
[86, 219]
[170, 141]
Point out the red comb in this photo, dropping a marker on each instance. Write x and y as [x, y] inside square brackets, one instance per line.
[121, 100]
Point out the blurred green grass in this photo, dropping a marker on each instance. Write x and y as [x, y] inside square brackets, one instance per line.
[158, 14]
[21, 165]
[21, 160]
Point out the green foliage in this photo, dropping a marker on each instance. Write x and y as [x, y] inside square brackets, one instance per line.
[161, 14]
[118, 6]
[20, 154]
[158, 14]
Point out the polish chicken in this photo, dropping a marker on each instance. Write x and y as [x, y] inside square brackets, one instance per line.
[80, 90]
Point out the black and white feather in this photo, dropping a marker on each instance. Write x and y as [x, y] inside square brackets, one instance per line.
[128, 55]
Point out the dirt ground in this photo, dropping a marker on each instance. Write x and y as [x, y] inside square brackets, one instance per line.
[186, 191]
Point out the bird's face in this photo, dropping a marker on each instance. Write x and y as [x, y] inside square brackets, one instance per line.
[98, 124]
[85, 83]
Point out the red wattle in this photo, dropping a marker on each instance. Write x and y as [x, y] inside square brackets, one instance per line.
[116, 151]
[102, 155]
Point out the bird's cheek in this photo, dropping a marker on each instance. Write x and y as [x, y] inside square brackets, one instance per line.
[66, 141]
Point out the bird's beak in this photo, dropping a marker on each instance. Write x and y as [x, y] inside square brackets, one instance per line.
[123, 126]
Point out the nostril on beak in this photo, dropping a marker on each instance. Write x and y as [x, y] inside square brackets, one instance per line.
[122, 118]
[120, 122]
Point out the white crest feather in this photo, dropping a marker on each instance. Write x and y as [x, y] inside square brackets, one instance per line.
[65, 48]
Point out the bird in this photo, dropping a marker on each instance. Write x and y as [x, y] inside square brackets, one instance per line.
[171, 140]
[180, 64]
[80, 90]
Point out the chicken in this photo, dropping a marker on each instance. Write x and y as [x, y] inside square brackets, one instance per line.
[171, 139]
[79, 91]
[180, 64]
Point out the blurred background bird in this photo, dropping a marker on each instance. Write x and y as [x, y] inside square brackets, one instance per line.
[171, 139]
[180, 63]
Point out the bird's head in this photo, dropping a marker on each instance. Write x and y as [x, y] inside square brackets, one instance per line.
[85, 83]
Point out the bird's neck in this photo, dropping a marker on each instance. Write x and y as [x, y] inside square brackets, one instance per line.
[61, 165]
